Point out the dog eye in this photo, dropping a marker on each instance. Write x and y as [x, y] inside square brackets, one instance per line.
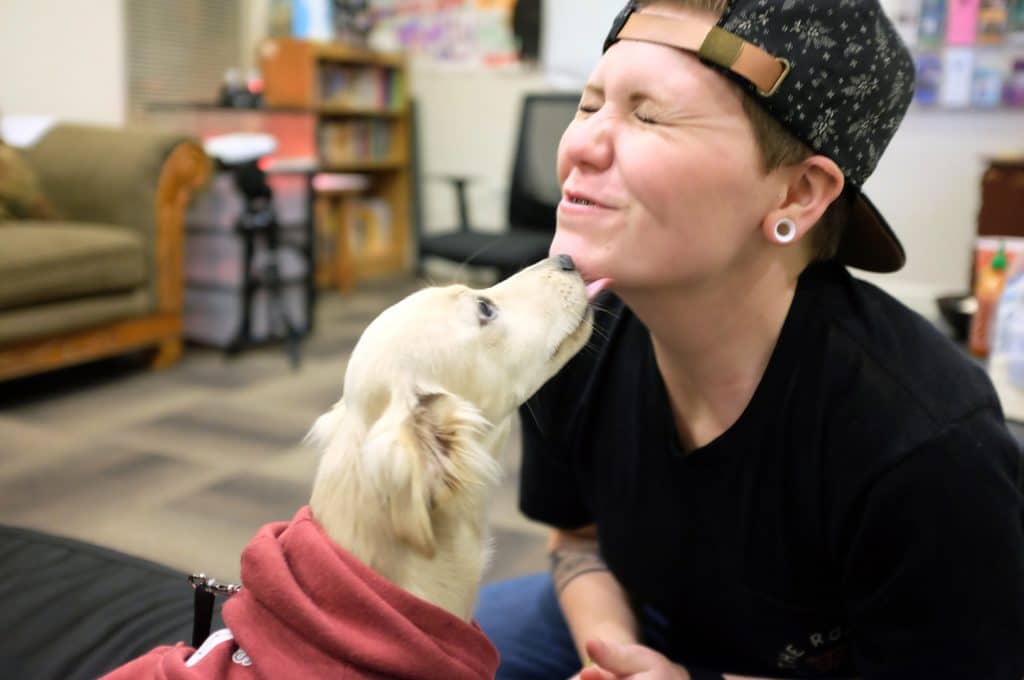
[486, 310]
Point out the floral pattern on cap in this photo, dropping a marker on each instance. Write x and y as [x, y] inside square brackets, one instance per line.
[851, 79]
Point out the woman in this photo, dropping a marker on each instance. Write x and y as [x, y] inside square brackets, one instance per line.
[764, 467]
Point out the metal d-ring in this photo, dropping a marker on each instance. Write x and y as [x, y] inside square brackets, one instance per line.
[210, 584]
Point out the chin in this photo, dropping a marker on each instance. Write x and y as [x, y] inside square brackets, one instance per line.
[588, 262]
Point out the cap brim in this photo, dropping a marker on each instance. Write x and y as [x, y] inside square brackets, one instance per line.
[869, 242]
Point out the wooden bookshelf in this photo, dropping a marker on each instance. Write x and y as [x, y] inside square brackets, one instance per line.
[360, 102]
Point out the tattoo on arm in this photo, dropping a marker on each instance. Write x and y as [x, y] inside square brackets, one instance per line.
[567, 564]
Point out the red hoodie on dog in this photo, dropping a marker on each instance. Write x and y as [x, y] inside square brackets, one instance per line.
[308, 609]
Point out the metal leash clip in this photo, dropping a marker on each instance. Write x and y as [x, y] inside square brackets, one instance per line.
[206, 589]
[202, 580]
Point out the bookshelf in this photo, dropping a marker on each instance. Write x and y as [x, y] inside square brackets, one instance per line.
[969, 54]
[358, 99]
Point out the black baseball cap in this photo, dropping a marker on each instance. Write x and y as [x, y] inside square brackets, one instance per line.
[835, 74]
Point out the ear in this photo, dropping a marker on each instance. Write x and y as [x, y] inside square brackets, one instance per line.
[811, 188]
[422, 451]
[325, 427]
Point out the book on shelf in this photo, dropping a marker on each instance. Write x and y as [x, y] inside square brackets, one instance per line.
[328, 225]
[354, 141]
[929, 78]
[958, 72]
[1013, 94]
[990, 74]
[932, 23]
[370, 229]
[962, 21]
[1015, 21]
[359, 87]
[992, 22]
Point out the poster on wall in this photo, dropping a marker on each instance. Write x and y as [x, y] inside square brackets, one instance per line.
[461, 32]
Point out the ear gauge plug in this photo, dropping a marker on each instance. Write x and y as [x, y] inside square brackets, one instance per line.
[785, 230]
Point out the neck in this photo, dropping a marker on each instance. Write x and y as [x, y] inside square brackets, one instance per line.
[713, 340]
[450, 577]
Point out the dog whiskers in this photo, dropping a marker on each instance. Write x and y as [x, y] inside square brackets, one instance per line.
[533, 414]
[600, 332]
[463, 266]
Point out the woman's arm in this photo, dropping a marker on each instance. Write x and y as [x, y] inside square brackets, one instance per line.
[595, 605]
[593, 602]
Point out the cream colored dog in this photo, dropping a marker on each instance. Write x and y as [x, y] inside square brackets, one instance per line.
[410, 452]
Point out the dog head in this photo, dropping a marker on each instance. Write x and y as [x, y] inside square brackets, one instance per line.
[429, 388]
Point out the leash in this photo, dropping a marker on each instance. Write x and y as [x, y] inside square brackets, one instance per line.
[206, 591]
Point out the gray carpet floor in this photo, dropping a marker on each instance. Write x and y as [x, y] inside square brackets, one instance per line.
[182, 466]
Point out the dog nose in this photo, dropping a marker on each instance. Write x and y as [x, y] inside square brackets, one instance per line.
[565, 263]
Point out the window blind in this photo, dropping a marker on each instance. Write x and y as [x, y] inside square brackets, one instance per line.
[178, 51]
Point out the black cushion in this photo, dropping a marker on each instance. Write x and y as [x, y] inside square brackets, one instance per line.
[73, 610]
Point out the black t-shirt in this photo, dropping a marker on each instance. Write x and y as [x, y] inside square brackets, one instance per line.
[862, 517]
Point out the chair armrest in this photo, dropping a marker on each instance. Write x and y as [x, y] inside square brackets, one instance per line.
[458, 183]
[134, 178]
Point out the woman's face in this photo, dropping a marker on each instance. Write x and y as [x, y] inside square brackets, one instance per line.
[662, 149]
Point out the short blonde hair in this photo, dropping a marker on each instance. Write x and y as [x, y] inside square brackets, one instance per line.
[779, 148]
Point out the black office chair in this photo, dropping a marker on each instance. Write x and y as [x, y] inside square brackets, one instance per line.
[534, 194]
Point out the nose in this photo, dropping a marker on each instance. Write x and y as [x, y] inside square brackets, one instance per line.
[586, 144]
[565, 263]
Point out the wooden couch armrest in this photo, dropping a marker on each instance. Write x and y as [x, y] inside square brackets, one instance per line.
[186, 169]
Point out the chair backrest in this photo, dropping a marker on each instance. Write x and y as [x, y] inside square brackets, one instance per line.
[534, 192]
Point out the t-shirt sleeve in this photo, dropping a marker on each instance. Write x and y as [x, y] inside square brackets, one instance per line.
[549, 490]
[933, 560]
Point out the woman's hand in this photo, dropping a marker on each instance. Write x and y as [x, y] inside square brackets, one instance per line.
[618, 662]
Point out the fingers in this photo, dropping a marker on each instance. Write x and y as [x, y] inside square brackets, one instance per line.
[595, 673]
[620, 660]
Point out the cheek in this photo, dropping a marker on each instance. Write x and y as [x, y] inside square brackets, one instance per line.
[690, 214]
[662, 202]
[563, 162]
[696, 192]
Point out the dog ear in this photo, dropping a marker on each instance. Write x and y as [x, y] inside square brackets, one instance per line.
[420, 453]
[325, 427]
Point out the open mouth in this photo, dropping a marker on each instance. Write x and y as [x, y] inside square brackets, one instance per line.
[582, 199]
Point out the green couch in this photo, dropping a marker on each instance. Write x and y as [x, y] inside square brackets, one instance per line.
[107, 277]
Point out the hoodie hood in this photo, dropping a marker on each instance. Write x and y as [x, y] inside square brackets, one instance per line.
[309, 609]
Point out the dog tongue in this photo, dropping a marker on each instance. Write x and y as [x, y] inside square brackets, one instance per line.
[594, 288]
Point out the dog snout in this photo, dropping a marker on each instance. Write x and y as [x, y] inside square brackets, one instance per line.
[565, 263]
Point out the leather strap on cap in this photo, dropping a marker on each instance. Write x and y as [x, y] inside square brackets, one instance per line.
[711, 43]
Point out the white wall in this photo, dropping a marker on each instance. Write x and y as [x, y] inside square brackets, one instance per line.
[928, 185]
[468, 120]
[63, 58]
[573, 33]
[255, 20]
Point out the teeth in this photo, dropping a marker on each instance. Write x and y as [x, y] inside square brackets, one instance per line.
[581, 201]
